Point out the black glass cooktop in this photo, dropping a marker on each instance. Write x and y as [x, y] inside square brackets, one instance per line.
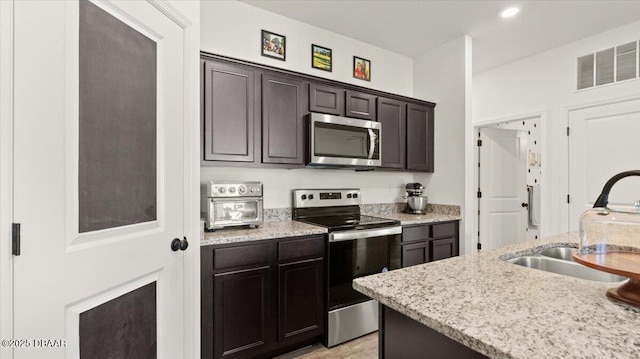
[349, 222]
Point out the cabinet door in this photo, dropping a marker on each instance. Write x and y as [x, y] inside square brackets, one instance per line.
[229, 118]
[301, 300]
[443, 248]
[416, 253]
[419, 138]
[241, 315]
[326, 99]
[392, 115]
[360, 105]
[283, 111]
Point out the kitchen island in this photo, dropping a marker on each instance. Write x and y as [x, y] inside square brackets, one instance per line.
[501, 310]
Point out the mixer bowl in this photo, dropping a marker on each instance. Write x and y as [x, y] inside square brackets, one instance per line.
[417, 203]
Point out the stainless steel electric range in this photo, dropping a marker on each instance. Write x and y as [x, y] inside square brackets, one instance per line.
[359, 245]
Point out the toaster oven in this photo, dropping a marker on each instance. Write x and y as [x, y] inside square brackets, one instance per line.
[229, 204]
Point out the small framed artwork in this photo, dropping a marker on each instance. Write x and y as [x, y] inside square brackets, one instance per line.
[321, 58]
[274, 45]
[361, 68]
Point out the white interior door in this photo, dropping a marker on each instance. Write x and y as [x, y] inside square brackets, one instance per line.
[503, 219]
[603, 141]
[98, 180]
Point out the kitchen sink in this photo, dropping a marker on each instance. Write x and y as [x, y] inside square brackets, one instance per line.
[564, 267]
[564, 253]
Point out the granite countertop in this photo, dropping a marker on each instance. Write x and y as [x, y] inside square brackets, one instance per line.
[407, 219]
[269, 230]
[504, 310]
[278, 223]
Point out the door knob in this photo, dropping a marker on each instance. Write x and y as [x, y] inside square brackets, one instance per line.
[525, 205]
[176, 244]
[184, 244]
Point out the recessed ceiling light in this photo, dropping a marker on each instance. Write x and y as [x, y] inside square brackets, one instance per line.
[509, 12]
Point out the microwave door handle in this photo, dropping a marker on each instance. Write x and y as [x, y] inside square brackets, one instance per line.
[372, 143]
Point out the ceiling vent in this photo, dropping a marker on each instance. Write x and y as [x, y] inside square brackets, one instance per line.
[611, 65]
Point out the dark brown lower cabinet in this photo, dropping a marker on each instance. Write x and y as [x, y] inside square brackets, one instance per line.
[261, 299]
[403, 337]
[301, 309]
[241, 313]
[443, 248]
[415, 253]
[429, 242]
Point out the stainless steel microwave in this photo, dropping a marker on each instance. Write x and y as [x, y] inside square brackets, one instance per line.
[343, 141]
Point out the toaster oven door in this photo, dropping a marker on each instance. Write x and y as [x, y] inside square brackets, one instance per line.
[234, 212]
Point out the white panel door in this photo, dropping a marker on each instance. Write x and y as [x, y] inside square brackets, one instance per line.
[503, 219]
[603, 142]
[61, 272]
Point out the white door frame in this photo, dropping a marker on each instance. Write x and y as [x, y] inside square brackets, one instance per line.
[473, 171]
[6, 173]
[190, 23]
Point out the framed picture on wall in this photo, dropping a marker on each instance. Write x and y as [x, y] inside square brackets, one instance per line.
[361, 68]
[274, 45]
[321, 58]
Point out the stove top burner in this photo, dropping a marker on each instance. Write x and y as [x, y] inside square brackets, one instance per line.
[348, 222]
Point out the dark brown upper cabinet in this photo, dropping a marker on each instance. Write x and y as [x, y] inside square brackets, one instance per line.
[392, 114]
[419, 138]
[229, 95]
[360, 105]
[254, 116]
[283, 111]
[326, 99]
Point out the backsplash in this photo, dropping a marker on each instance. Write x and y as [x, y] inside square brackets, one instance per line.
[375, 186]
[379, 209]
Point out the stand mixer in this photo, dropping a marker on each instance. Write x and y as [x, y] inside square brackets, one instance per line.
[416, 202]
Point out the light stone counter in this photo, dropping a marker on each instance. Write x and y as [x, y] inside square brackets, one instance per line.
[503, 310]
[408, 219]
[435, 213]
[269, 230]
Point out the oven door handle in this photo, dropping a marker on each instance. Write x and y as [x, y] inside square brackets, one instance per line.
[364, 233]
[372, 143]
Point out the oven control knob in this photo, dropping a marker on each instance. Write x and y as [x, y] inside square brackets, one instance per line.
[242, 189]
[349, 195]
[310, 196]
[221, 189]
[252, 189]
[304, 196]
[355, 195]
[232, 190]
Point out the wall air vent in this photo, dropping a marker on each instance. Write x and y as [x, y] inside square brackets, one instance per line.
[607, 66]
[626, 61]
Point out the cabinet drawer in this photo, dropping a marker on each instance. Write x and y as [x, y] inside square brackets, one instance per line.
[443, 230]
[257, 254]
[299, 249]
[417, 233]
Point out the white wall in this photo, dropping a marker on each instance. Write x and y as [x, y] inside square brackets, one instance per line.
[443, 76]
[377, 187]
[546, 83]
[232, 28]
